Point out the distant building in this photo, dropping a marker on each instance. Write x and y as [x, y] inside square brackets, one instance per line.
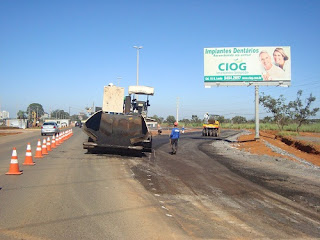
[4, 115]
[18, 123]
[45, 116]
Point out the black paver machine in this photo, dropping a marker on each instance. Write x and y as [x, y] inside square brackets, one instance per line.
[121, 124]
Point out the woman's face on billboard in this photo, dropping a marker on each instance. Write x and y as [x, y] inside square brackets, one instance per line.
[278, 58]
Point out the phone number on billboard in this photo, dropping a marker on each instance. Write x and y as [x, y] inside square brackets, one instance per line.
[233, 78]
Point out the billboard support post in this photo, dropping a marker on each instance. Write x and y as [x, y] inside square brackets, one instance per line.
[257, 112]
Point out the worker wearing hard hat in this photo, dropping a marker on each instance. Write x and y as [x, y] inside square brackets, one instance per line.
[174, 138]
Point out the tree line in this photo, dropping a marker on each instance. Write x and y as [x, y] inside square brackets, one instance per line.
[282, 112]
[297, 111]
[35, 112]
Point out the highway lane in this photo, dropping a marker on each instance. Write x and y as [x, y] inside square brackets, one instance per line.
[216, 192]
[73, 195]
[203, 192]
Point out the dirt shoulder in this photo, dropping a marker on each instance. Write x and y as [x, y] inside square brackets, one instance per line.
[262, 146]
[15, 131]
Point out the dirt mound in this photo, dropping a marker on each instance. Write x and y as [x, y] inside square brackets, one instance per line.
[301, 149]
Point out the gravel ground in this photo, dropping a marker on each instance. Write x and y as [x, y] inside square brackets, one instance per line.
[308, 139]
[285, 153]
[298, 180]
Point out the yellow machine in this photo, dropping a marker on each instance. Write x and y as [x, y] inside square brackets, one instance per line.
[34, 116]
[211, 127]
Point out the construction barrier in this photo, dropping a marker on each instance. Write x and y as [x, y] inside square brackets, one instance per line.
[44, 147]
[28, 159]
[39, 150]
[49, 144]
[53, 142]
[14, 165]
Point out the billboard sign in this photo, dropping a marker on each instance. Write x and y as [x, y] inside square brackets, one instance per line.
[247, 66]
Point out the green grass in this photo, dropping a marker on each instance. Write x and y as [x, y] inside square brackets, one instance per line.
[285, 133]
[314, 127]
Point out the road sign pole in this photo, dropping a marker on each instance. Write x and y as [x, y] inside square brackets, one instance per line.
[257, 112]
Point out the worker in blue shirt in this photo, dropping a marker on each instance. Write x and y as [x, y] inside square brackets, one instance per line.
[174, 138]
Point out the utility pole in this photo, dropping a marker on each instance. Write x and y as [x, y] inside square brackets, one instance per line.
[177, 116]
[138, 48]
[257, 135]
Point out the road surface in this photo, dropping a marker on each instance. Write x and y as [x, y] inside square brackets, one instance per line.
[206, 191]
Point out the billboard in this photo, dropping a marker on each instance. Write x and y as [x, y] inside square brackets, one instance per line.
[245, 66]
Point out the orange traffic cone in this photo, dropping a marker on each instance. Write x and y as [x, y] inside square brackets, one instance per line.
[28, 159]
[53, 142]
[39, 151]
[62, 138]
[58, 139]
[48, 145]
[44, 147]
[14, 165]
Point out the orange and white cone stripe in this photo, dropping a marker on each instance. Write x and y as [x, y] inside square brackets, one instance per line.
[39, 150]
[44, 147]
[53, 142]
[62, 137]
[67, 134]
[14, 165]
[48, 145]
[58, 139]
[28, 159]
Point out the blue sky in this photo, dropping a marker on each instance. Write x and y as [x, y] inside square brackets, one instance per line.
[61, 53]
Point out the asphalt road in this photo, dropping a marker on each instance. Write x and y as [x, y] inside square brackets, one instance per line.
[196, 194]
[216, 192]
[69, 194]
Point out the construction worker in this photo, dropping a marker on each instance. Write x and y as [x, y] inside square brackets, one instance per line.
[174, 138]
[159, 129]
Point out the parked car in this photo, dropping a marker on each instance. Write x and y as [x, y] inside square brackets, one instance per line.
[49, 128]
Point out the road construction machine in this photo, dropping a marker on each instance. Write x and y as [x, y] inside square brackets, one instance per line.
[211, 126]
[121, 124]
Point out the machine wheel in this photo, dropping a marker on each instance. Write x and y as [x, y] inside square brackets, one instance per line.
[216, 133]
[203, 132]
